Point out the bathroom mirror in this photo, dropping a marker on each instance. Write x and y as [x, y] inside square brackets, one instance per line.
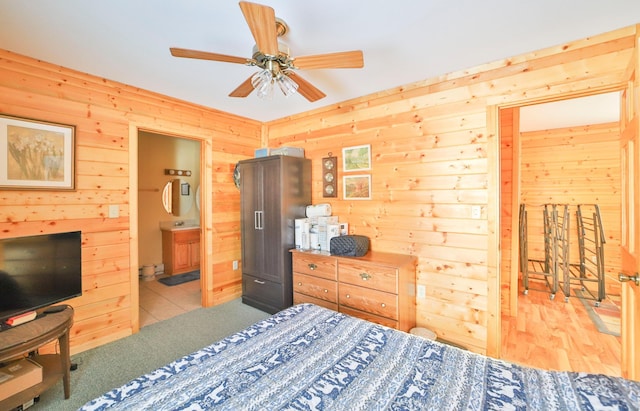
[177, 197]
[166, 197]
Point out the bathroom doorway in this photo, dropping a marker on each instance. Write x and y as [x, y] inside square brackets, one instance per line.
[169, 216]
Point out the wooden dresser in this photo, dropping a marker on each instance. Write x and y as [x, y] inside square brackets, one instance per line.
[379, 287]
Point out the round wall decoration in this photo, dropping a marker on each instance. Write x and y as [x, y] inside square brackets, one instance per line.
[236, 175]
[329, 180]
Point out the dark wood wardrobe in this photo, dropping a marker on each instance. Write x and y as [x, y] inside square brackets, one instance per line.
[274, 191]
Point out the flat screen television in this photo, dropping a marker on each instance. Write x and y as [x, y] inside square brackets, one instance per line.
[39, 270]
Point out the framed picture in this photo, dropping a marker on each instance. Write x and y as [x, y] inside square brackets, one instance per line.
[357, 187]
[36, 155]
[357, 158]
[184, 189]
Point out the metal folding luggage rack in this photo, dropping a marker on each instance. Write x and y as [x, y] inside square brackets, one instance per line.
[555, 270]
[541, 269]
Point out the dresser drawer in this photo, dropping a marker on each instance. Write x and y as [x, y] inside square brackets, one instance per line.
[369, 275]
[315, 287]
[315, 264]
[303, 298]
[370, 317]
[263, 291]
[378, 287]
[371, 301]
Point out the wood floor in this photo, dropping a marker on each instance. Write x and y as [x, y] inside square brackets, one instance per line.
[558, 335]
[159, 302]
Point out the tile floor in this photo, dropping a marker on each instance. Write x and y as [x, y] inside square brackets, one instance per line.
[160, 302]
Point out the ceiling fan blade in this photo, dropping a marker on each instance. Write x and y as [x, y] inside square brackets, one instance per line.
[306, 89]
[342, 59]
[205, 55]
[262, 22]
[244, 89]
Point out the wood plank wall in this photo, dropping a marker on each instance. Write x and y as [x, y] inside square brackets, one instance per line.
[584, 169]
[431, 165]
[433, 161]
[106, 114]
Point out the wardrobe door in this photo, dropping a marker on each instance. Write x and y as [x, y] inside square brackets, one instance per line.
[251, 206]
[273, 215]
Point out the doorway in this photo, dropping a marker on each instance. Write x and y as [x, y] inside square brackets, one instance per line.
[167, 163]
[560, 160]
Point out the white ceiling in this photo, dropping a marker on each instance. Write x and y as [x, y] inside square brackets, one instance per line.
[403, 41]
[596, 109]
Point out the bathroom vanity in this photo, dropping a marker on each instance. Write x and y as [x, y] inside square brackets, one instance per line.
[180, 249]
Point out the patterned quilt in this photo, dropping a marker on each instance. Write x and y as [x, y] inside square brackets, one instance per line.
[310, 358]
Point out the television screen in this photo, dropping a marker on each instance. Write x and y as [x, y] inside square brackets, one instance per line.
[39, 270]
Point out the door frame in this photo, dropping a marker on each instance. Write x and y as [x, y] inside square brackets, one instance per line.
[630, 244]
[494, 326]
[206, 202]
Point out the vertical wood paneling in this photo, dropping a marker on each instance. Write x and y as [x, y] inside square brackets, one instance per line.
[506, 206]
[509, 212]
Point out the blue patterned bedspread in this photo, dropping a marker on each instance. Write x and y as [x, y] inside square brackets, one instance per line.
[311, 358]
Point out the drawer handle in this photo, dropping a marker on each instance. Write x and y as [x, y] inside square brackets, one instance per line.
[299, 283]
[259, 282]
[348, 296]
[365, 276]
[312, 266]
[326, 291]
[383, 305]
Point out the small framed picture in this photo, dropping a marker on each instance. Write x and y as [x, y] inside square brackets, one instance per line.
[357, 187]
[36, 155]
[357, 158]
[185, 189]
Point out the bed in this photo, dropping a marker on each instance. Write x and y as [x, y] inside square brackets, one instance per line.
[311, 358]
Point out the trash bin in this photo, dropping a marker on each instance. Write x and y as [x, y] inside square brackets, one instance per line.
[452, 344]
[424, 333]
[148, 272]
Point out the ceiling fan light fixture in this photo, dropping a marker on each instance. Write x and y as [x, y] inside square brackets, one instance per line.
[260, 78]
[287, 86]
[273, 59]
[262, 82]
[266, 92]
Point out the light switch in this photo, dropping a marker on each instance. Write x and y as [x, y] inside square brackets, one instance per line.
[476, 212]
[114, 211]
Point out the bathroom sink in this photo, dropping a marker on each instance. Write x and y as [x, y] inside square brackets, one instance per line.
[178, 226]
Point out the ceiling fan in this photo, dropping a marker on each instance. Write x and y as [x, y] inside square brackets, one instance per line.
[273, 58]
